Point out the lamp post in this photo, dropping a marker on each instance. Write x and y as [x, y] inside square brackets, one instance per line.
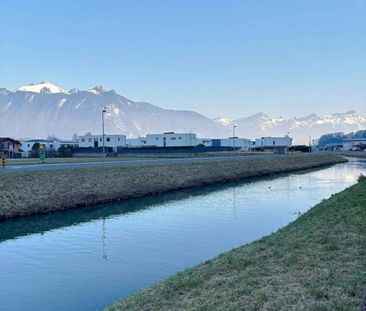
[310, 144]
[103, 111]
[234, 126]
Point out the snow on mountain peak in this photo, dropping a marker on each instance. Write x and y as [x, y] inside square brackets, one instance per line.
[43, 87]
[97, 90]
[225, 121]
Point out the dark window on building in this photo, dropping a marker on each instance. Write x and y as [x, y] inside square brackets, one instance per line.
[90, 140]
[172, 138]
[274, 143]
[108, 139]
[179, 137]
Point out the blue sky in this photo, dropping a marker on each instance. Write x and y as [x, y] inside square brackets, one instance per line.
[233, 58]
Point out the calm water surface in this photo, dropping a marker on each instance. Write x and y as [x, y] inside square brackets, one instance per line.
[87, 258]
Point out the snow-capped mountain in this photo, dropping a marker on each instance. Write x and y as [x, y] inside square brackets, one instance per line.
[301, 129]
[43, 87]
[43, 109]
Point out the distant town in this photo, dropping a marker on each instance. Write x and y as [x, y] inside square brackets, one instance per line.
[168, 142]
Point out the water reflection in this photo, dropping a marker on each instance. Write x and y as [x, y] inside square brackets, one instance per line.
[14, 228]
[104, 236]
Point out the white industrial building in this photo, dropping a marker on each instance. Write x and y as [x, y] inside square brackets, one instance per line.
[280, 144]
[354, 144]
[47, 145]
[171, 139]
[96, 141]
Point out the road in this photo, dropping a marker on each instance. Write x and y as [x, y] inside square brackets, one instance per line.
[121, 163]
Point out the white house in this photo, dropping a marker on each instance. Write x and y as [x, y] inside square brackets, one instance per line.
[47, 144]
[280, 144]
[96, 141]
[171, 139]
[354, 144]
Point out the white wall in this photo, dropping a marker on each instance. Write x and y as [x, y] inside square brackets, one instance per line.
[136, 142]
[284, 141]
[171, 140]
[114, 141]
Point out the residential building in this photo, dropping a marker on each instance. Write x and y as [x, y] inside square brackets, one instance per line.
[48, 145]
[9, 147]
[96, 141]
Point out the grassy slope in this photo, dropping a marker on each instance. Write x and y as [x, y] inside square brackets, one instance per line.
[316, 263]
[357, 154]
[30, 193]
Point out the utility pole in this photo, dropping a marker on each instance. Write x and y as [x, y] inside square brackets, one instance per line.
[309, 143]
[103, 111]
[234, 126]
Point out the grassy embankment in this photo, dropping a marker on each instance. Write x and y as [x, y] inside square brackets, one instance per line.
[357, 154]
[318, 262]
[38, 192]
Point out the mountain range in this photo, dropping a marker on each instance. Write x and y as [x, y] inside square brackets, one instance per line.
[44, 109]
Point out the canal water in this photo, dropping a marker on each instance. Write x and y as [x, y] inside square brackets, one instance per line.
[84, 259]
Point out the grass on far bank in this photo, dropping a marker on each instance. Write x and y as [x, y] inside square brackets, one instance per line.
[26, 161]
[357, 154]
[318, 262]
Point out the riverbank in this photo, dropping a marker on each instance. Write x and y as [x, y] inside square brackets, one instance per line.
[318, 262]
[353, 154]
[38, 192]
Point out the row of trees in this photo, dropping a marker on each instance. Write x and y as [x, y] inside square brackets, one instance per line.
[338, 137]
[63, 151]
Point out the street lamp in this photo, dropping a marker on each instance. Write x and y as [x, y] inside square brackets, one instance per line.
[234, 126]
[103, 111]
[310, 144]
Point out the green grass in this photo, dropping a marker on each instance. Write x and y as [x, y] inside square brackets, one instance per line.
[29, 193]
[318, 262]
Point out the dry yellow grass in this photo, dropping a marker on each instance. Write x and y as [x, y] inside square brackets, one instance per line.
[30, 193]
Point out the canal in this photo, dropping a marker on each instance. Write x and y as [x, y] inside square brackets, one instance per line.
[86, 258]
